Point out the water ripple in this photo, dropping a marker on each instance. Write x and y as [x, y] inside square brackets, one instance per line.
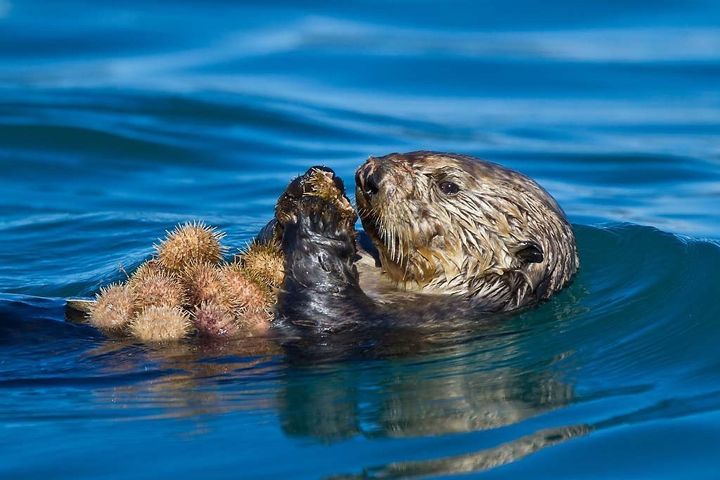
[121, 120]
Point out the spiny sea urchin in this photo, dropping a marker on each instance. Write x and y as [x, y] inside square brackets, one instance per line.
[254, 321]
[240, 290]
[190, 243]
[157, 288]
[213, 320]
[204, 283]
[161, 324]
[187, 286]
[113, 309]
[264, 262]
[146, 269]
[250, 301]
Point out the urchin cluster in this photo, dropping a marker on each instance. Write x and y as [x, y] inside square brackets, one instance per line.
[188, 288]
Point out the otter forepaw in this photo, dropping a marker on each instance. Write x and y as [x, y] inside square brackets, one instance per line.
[318, 231]
[319, 217]
[319, 183]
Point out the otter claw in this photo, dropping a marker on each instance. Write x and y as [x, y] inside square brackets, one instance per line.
[324, 218]
[310, 181]
[319, 183]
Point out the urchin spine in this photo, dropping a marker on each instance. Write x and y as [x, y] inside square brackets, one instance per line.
[159, 324]
[114, 309]
[192, 242]
[187, 287]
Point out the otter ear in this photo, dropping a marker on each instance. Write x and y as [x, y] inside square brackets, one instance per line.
[530, 252]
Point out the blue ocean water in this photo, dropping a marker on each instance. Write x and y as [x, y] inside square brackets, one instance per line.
[120, 119]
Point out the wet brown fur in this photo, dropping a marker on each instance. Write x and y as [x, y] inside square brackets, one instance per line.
[466, 243]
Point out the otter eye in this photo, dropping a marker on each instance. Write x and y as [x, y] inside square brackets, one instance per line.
[449, 188]
[530, 252]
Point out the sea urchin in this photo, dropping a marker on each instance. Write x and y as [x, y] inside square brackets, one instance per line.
[190, 243]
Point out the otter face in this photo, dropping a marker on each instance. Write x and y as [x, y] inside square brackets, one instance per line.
[446, 223]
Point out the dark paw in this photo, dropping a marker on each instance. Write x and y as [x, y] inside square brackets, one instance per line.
[317, 216]
[316, 199]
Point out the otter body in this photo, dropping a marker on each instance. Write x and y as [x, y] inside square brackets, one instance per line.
[456, 239]
[450, 240]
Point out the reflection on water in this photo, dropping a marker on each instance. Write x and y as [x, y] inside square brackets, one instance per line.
[189, 373]
[330, 401]
[474, 462]
[410, 401]
[396, 398]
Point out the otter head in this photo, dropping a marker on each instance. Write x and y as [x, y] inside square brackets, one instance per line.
[446, 223]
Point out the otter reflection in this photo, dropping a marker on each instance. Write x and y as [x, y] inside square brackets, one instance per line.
[449, 389]
[476, 461]
[458, 385]
[396, 398]
[459, 391]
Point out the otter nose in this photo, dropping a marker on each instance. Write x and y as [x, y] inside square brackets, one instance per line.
[368, 177]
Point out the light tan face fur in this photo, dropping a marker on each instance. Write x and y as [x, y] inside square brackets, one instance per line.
[447, 223]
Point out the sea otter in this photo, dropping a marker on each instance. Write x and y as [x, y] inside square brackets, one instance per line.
[453, 224]
[450, 237]
[455, 237]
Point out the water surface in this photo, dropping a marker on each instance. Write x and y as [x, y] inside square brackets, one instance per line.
[119, 120]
